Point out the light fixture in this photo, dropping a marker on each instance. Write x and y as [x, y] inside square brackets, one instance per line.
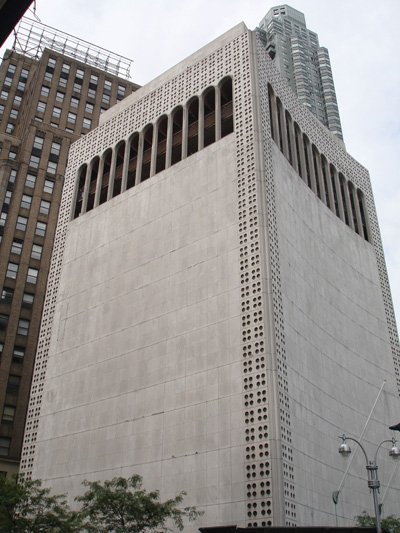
[372, 470]
[394, 451]
[344, 448]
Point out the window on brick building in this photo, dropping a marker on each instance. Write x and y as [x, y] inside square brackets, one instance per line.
[32, 275]
[48, 186]
[40, 229]
[23, 327]
[8, 414]
[21, 223]
[12, 270]
[5, 443]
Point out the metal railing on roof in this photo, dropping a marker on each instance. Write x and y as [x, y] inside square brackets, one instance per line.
[32, 37]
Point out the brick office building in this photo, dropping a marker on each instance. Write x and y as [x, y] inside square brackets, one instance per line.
[53, 89]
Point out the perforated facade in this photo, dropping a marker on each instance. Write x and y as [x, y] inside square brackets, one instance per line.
[216, 302]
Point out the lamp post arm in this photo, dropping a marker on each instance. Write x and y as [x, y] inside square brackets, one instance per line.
[393, 441]
[361, 446]
[361, 438]
[373, 482]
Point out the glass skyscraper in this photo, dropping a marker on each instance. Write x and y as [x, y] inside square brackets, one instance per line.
[303, 63]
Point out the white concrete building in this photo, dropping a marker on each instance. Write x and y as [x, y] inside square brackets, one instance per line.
[218, 309]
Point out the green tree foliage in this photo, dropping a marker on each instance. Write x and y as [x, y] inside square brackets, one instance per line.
[29, 508]
[123, 506]
[390, 523]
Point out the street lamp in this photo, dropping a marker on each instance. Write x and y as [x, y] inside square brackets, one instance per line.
[372, 469]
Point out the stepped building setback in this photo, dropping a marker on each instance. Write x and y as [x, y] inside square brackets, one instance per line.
[53, 89]
[302, 62]
[218, 309]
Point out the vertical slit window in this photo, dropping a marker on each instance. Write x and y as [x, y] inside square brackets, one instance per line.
[193, 127]
[279, 113]
[105, 178]
[344, 199]
[317, 176]
[209, 117]
[161, 144]
[297, 141]
[147, 146]
[335, 192]
[270, 112]
[81, 188]
[288, 122]
[177, 122]
[92, 184]
[119, 169]
[226, 107]
[133, 155]
[360, 199]
[323, 168]
[353, 207]
[305, 142]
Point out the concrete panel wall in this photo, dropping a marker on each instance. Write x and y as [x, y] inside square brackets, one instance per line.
[338, 351]
[205, 318]
[144, 374]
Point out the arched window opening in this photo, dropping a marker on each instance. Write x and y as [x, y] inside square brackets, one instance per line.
[105, 180]
[193, 127]
[289, 142]
[325, 180]
[133, 155]
[92, 183]
[297, 138]
[271, 121]
[279, 110]
[308, 174]
[342, 183]
[335, 191]
[177, 125]
[353, 207]
[161, 144]
[147, 146]
[209, 116]
[119, 169]
[226, 107]
[80, 191]
[360, 198]
[315, 156]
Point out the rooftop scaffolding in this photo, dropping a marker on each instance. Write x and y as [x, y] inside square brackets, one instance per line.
[31, 38]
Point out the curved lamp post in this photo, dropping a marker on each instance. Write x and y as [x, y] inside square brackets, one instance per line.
[372, 469]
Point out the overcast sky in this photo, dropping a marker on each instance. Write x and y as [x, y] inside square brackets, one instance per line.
[362, 37]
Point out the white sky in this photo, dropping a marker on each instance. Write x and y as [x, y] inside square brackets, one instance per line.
[362, 37]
